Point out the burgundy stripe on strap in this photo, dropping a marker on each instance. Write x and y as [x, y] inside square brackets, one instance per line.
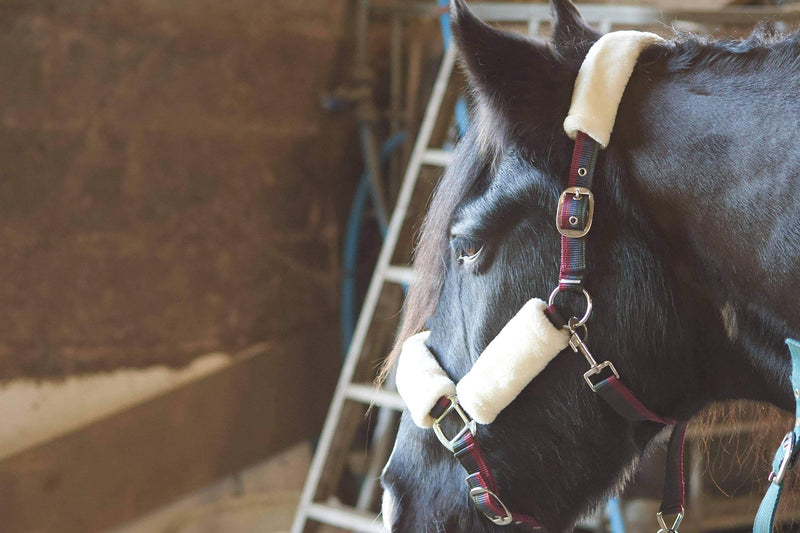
[674, 494]
[484, 491]
[577, 151]
[624, 402]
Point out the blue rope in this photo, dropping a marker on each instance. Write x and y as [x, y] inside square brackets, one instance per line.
[351, 244]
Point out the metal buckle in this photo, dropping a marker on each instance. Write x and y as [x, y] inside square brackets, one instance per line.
[788, 460]
[469, 424]
[577, 193]
[675, 525]
[499, 520]
[596, 370]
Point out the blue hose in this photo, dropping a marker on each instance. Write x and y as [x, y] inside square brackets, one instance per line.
[351, 242]
[615, 519]
[444, 22]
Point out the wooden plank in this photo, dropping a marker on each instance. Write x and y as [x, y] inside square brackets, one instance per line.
[34, 412]
[146, 456]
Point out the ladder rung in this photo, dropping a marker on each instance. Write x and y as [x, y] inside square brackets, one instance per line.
[345, 517]
[369, 394]
[399, 274]
[436, 157]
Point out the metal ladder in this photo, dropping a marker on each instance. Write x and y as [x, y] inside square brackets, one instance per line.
[346, 389]
[359, 518]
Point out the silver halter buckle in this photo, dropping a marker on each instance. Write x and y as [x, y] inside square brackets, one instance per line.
[577, 194]
[469, 424]
[499, 520]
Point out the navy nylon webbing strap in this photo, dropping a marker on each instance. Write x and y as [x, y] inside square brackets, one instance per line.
[785, 457]
[575, 212]
[622, 400]
[627, 405]
[482, 484]
[673, 494]
[625, 402]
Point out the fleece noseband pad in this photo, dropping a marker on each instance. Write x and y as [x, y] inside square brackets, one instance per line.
[522, 349]
[420, 379]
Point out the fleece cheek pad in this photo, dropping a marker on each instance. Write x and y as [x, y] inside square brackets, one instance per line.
[522, 349]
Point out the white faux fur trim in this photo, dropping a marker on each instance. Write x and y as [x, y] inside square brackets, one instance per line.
[601, 81]
[521, 350]
[420, 379]
[387, 510]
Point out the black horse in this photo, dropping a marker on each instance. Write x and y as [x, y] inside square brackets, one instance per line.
[694, 257]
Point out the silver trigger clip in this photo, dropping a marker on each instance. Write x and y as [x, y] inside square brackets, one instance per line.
[675, 525]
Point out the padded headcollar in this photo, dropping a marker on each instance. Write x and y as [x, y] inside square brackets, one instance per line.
[525, 345]
[518, 354]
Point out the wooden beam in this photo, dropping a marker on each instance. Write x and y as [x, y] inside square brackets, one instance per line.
[139, 459]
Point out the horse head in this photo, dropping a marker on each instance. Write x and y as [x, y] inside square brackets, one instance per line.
[489, 244]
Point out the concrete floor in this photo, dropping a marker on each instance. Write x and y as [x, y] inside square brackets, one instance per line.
[261, 498]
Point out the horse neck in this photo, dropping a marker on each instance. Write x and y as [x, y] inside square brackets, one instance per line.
[711, 158]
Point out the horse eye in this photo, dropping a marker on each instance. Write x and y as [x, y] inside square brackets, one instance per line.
[469, 251]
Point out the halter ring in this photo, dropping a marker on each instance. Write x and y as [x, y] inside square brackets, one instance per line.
[585, 318]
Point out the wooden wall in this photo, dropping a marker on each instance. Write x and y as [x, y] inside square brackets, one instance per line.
[169, 187]
[168, 183]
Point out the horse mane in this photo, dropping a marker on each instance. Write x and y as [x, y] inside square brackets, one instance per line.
[430, 254]
[763, 49]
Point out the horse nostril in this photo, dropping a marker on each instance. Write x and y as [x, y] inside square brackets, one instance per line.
[387, 509]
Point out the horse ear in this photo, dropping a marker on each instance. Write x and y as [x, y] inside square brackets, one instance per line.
[493, 58]
[571, 34]
[517, 82]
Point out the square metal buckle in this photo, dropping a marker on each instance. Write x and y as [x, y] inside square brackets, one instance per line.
[596, 370]
[499, 520]
[577, 194]
[469, 424]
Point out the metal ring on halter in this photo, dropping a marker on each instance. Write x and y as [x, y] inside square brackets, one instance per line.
[586, 315]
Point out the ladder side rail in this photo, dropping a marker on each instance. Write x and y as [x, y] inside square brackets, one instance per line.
[375, 287]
